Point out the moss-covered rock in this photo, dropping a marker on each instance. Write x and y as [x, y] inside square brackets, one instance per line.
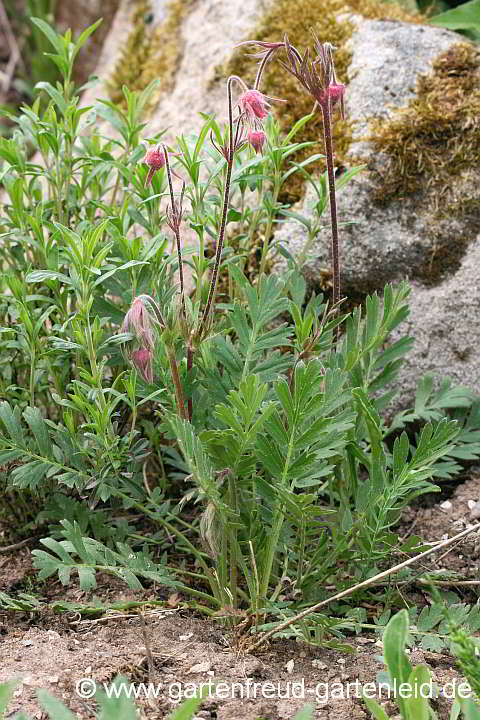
[432, 148]
[153, 49]
[416, 205]
[327, 18]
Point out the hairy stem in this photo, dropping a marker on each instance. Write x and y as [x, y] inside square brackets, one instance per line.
[176, 227]
[177, 383]
[327, 136]
[189, 369]
[226, 197]
[262, 67]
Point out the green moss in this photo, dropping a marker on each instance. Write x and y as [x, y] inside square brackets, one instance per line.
[297, 19]
[432, 147]
[150, 52]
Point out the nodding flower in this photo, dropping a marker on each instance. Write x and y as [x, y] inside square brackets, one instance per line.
[139, 322]
[318, 75]
[257, 138]
[144, 313]
[255, 105]
[155, 159]
[142, 361]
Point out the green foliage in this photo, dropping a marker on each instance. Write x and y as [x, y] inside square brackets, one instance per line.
[413, 701]
[463, 17]
[113, 705]
[240, 456]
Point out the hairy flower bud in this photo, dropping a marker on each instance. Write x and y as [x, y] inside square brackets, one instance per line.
[139, 323]
[336, 93]
[155, 159]
[257, 138]
[254, 104]
[142, 360]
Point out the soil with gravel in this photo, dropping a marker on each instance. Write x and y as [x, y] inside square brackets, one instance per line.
[176, 649]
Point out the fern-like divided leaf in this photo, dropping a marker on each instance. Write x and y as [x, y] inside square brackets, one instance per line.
[297, 452]
[256, 349]
[42, 449]
[86, 557]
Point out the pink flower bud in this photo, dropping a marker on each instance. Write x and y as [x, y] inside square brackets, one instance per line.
[257, 138]
[143, 362]
[336, 93]
[155, 159]
[139, 323]
[254, 104]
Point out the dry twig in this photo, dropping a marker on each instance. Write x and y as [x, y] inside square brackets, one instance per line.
[370, 581]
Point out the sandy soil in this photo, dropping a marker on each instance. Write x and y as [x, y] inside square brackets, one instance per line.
[172, 645]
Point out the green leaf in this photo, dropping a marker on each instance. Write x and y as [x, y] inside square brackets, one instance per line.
[11, 421]
[470, 709]
[41, 275]
[55, 708]
[430, 616]
[463, 17]
[56, 96]
[233, 215]
[118, 706]
[125, 266]
[347, 176]
[6, 693]
[49, 32]
[418, 706]
[188, 708]
[39, 429]
[378, 713]
[296, 127]
[82, 39]
[394, 642]
[306, 713]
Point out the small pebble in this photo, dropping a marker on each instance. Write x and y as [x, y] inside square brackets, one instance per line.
[475, 511]
[446, 505]
[202, 667]
[290, 665]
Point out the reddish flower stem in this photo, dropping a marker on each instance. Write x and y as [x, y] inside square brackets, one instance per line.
[176, 229]
[177, 383]
[226, 197]
[327, 136]
[262, 66]
[189, 369]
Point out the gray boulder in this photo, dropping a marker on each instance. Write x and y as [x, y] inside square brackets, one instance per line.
[405, 237]
[399, 238]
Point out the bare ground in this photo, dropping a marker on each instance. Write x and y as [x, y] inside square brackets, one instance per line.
[56, 651]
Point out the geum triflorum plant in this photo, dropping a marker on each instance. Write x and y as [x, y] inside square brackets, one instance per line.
[318, 77]
[123, 391]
